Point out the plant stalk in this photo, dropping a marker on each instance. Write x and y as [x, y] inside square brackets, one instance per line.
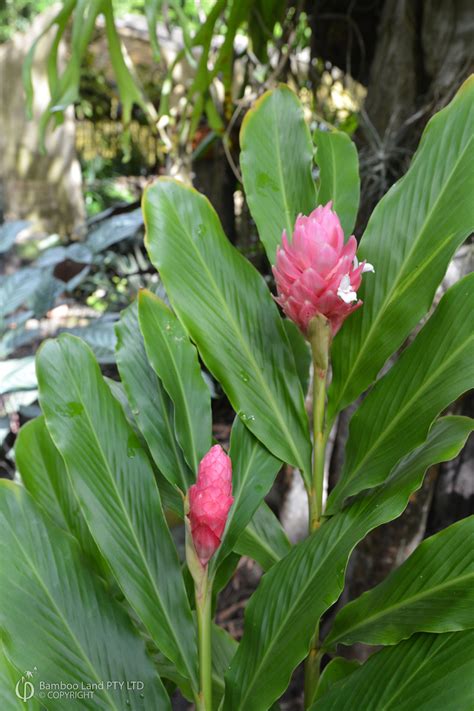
[203, 611]
[319, 334]
[320, 340]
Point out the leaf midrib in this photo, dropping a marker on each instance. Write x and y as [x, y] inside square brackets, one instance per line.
[184, 400]
[127, 519]
[405, 602]
[289, 613]
[238, 498]
[408, 679]
[349, 377]
[399, 415]
[275, 409]
[251, 531]
[286, 206]
[164, 407]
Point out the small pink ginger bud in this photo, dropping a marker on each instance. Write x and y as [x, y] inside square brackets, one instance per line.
[317, 273]
[210, 499]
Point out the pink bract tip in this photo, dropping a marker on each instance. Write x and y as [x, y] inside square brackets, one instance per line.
[210, 499]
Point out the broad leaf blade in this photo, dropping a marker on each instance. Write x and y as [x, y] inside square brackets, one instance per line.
[174, 359]
[13, 697]
[44, 475]
[114, 483]
[264, 540]
[150, 402]
[432, 591]
[426, 672]
[339, 181]
[282, 614]
[337, 669]
[396, 415]
[253, 472]
[229, 313]
[276, 160]
[410, 239]
[301, 353]
[58, 617]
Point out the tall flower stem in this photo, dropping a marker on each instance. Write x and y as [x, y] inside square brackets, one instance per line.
[203, 590]
[319, 333]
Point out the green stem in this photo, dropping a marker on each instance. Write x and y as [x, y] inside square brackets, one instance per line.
[319, 334]
[203, 611]
[320, 339]
[319, 447]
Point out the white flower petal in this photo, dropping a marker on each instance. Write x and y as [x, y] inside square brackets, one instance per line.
[345, 290]
[368, 268]
[347, 296]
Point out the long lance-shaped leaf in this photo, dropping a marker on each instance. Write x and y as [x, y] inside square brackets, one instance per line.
[229, 313]
[276, 159]
[44, 475]
[264, 539]
[410, 239]
[282, 614]
[337, 669]
[396, 416]
[13, 680]
[423, 673]
[339, 181]
[253, 472]
[56, 615]
[114, 483]
[174, 359]
[433, 591]
[151, 405]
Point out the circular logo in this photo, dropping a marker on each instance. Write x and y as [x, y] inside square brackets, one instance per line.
[24, 689]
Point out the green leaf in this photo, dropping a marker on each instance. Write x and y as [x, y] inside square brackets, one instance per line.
[264, 540]
[276, 161]
[16, 288]
[301, 353]
[264, 14]
[410, 239]
[115, 229]
[174, 359]
[100, 336]
[253, 472]
[424, 673]
[339, 180]
[44, 475]
[9, 232]
[114, 483]
[17, 375]
[281, 615]
[55, 615]
[432, 591]
[10, 676]
[150, 402]
[229, 313]
[223, 649]
[397, 414]
[337, 669]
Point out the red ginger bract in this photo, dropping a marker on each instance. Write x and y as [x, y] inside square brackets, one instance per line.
[210, 499]
[317, 273]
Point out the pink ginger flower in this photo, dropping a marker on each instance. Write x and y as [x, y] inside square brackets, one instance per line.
[317, 273]
[210, 499]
